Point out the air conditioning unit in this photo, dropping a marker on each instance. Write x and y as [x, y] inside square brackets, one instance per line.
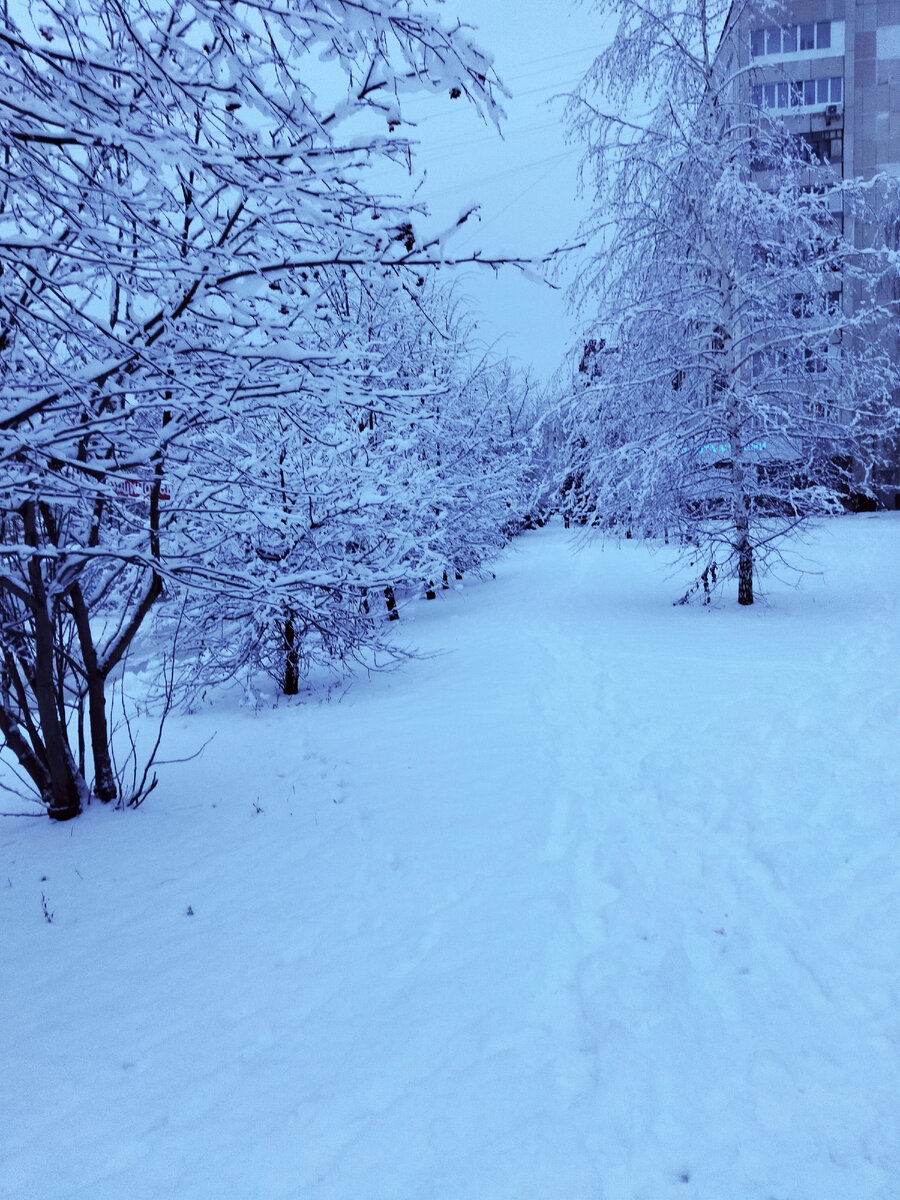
[831, 110]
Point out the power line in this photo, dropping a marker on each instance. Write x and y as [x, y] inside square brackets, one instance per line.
[428, 148]
[561, 87]
[479, 181]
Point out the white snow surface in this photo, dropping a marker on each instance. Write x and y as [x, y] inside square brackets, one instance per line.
[599, 901]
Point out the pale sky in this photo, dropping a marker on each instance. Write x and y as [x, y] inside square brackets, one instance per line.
[526, 183]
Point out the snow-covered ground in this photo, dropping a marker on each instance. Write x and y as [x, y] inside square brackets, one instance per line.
[598, 902]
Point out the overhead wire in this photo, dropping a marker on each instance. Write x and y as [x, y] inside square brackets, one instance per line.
[467, 143]
[479, 181]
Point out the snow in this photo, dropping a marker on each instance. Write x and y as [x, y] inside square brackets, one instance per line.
[597, 899]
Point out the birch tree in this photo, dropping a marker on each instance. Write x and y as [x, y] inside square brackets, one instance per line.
[748, 369]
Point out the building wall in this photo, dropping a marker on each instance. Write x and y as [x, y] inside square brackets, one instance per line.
[868, 60]
[862, 128]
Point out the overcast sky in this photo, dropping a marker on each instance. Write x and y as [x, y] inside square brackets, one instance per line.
[524, 183]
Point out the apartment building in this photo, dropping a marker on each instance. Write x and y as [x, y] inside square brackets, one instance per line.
[831, 70]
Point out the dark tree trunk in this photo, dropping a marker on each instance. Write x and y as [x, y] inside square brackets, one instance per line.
[34, 767]
[105, 787]
[62, 797]
[290, 684]
[745, 573]
[740, 502]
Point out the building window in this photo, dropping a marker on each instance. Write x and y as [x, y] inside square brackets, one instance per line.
[816, 359]
[788, 39]
[807, 93]
[827, 145]
[805, 306]
[802, 305]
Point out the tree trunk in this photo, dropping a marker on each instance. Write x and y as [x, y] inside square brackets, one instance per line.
[745, 573]
[290, 683]
[740, 497]
[105, 787]
[62, 797]
[34, 766]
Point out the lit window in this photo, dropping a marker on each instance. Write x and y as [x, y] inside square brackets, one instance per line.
[807, 37]
[823, 35]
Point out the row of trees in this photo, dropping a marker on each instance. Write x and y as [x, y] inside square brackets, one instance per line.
[228, 379]
[741, 368]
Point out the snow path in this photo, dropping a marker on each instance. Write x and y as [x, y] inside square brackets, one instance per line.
[599, 902]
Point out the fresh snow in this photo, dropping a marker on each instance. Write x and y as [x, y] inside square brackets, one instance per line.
[597, 900]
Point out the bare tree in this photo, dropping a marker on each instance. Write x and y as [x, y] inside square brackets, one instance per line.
[748, 372]
[339, 506]
[178, 186]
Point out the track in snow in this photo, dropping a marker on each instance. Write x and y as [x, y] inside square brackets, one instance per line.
[598, 902]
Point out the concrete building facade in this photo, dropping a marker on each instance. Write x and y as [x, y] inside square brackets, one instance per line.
[831, 70]
[844, 57]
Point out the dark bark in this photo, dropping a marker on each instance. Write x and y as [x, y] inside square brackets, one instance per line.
[63, 797]
[745, 573]
[30, 763]
[105, 787]
[290, 683]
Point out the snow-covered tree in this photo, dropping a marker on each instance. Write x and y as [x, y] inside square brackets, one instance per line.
[345, 502]
[742, 363]
[181, 183]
